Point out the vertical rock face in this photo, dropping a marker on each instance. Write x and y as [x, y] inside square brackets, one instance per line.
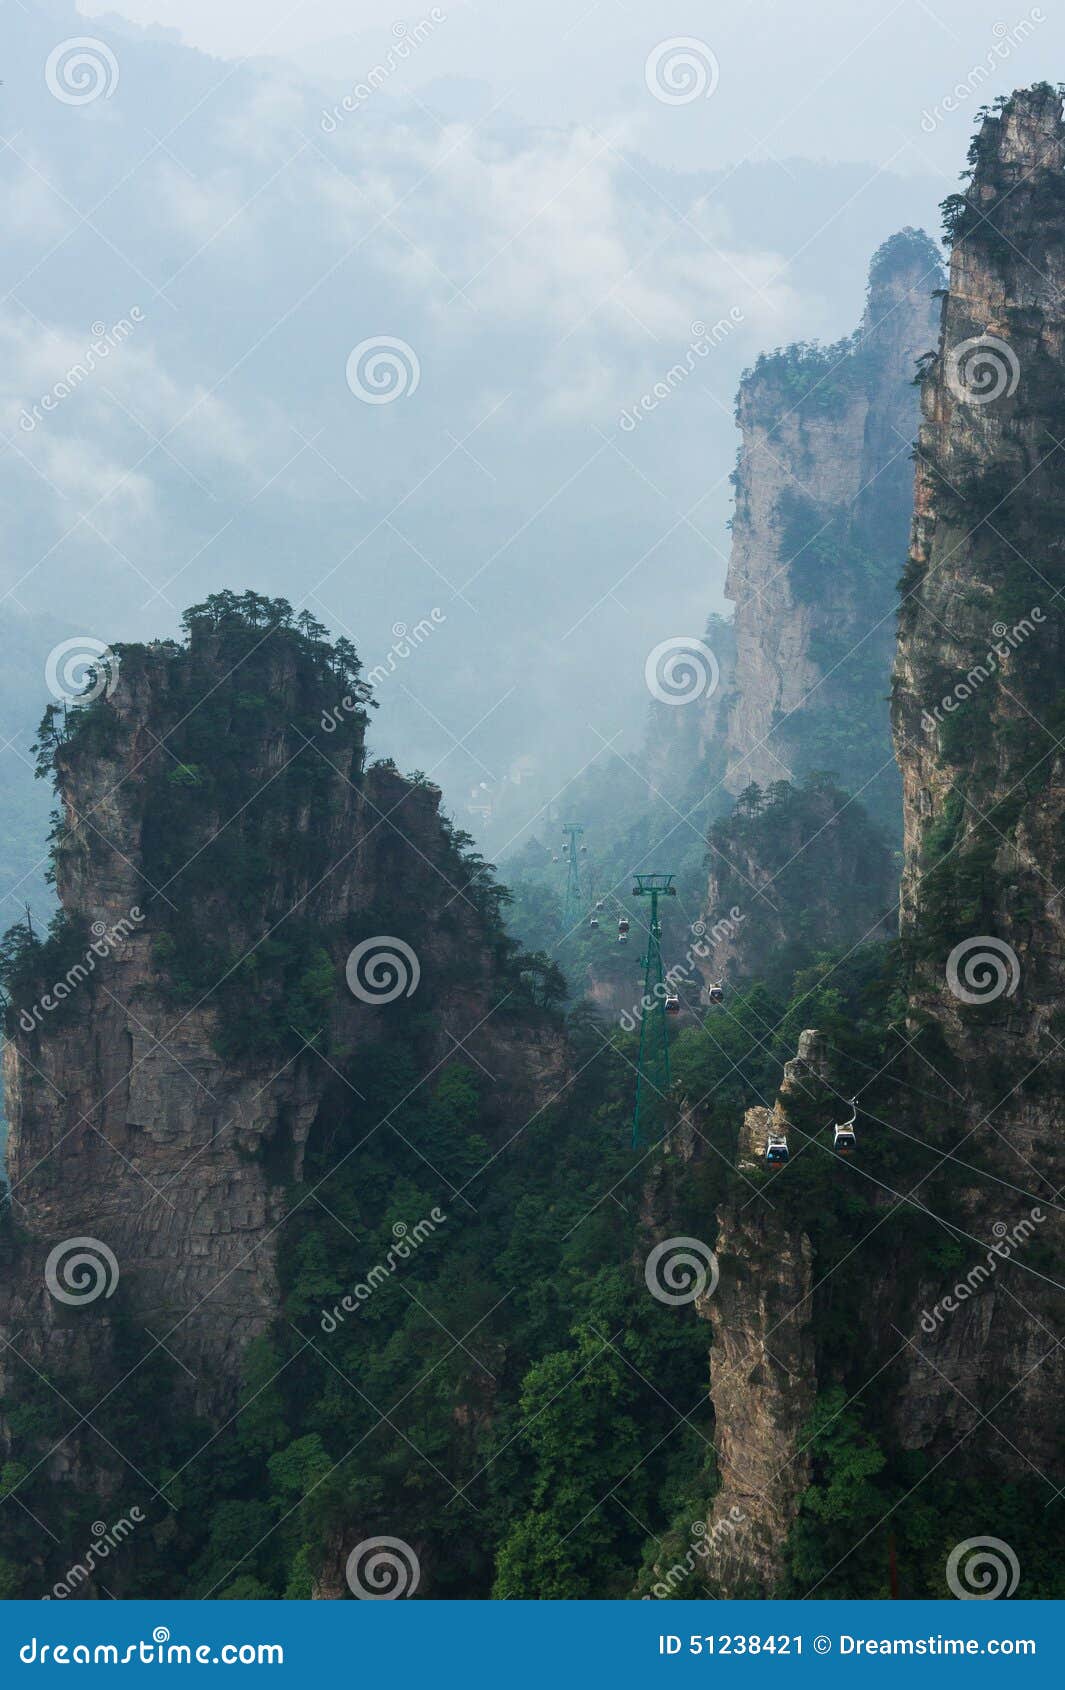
[967, 1372]
[978, 715]
[763, 1378]
[978, 674]
[978, 693]
[804, 872]
[211, 823]
[823, 501]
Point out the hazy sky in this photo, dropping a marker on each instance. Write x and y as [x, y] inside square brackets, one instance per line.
[545, 214]
[845, 79]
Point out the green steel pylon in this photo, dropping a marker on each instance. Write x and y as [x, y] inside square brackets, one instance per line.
[573, 908]
[652, 1066]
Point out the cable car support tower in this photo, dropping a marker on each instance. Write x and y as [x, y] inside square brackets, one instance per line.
[652, 1066]
[573, 908]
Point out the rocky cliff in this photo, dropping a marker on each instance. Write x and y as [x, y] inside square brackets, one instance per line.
[796, 683]
[245, 901]
[920, 1279]
[763, 1375]
[793, 872]
[978, 713]
[823, 501]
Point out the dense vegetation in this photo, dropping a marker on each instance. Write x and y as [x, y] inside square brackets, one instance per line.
[215, 860]
[508, 1397]
[806, 868]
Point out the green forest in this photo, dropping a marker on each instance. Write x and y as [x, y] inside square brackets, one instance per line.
[510, 1397]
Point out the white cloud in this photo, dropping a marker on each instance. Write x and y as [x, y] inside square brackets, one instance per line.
[29, 205]
[555, 237]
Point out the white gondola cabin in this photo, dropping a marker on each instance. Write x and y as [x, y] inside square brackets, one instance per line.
[843, 1138]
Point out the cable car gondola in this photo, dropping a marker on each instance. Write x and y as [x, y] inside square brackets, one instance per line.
[776, 1150]
[843, 1138]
